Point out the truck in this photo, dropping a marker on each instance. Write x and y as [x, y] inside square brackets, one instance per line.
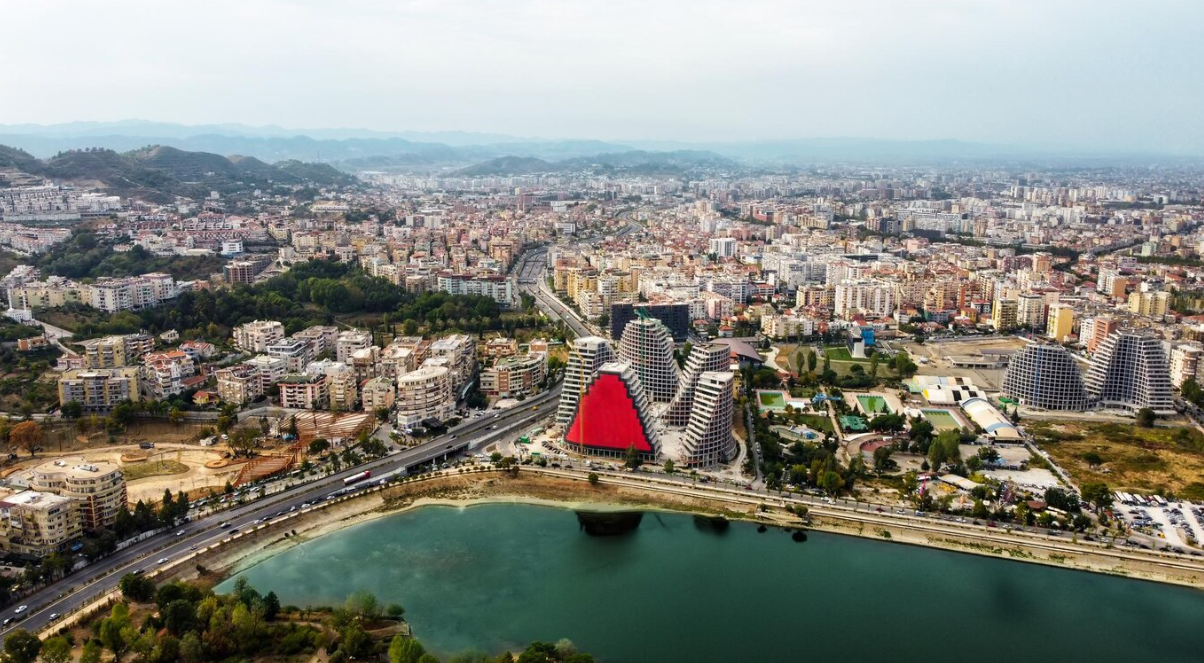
[354, 478]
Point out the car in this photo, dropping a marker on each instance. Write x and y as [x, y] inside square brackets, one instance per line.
[162, 560]
[192, 547]
[234, 531]
[8, 621]
[53, 616]
[20, 609]
[256, 521]
[180, 533]
[139, 572]
[292, 508]
[225, 525]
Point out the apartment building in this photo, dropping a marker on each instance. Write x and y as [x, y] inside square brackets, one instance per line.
[350, 341]
[304, 392]
[424, 393]
[98, 390]
[513, 376]
[258, 335]
[38, 524]
[378, 393]
[98, 487]
[163, 374]
[708, 441]
[1045, 377]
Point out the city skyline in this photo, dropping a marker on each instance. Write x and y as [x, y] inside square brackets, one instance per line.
[1012, 74]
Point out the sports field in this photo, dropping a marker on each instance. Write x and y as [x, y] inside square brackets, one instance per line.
[941, 419]
[871, 404]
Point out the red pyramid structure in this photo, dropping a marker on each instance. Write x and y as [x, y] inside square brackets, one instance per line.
[609, 416]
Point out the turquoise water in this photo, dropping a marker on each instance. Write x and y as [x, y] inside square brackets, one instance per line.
[494, 577]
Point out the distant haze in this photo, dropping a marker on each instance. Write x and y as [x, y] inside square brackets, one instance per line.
[1095, 75]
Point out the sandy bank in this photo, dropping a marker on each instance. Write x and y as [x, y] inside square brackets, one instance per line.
[542, 489]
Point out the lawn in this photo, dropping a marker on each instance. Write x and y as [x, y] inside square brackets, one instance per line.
[1127, 458]
[841, 353]
[135, 471]
[819, 422]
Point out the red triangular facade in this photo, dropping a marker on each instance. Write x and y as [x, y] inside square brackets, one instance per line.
[607, 418]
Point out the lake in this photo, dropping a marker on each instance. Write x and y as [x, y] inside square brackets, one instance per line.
[494, 577]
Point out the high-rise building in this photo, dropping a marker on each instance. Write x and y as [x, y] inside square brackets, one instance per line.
[675, 316]
[425, 393]
[708, 439]
[613, 416]
[1003, 315]
[1151, 304]
[1045, 377]
[1101, 328]
[1059, 322]
[705, 358]
[647, 346]
[100, 389]
[1186, 363]
[723, 247]
[586, 356]
[1030, 311]
[1129, 371]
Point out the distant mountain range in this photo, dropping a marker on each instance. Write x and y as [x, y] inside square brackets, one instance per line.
[480, 153]
[159, 173]
[631, 161]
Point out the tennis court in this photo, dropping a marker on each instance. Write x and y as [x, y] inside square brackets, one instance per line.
[941, 419]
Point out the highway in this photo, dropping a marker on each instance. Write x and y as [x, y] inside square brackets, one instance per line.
[72, 592]
[86, 585]
[531, 271]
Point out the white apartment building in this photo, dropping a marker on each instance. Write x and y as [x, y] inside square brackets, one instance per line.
[867, 297]
[257, 336]
[708, 440]
[424, 393]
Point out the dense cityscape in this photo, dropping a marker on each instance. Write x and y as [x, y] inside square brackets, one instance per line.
[443, 390]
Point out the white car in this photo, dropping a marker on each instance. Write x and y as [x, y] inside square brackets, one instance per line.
[180, 533]
[162, 560]
[21, 609]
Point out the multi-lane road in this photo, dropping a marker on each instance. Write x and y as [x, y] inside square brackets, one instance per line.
[48, 604]
[71, 593]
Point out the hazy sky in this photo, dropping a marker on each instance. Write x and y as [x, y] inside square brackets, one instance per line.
[1091, 73]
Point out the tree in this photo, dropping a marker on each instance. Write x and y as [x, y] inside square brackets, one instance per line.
[113, 630]
[27, 435]
[593, 478]
[137, 588]
[831, 482]
[405, 650]
[632, 458]
[56, 650]
[1145, 418]
[271, 606]
[72, 410]
[92, 653]
[882, 459]
[670, 468]
[318, 446]
[364, 604]
[1098, 494]
[812, 361]
[21, 646]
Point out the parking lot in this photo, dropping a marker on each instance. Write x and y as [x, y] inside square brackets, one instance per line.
[1179, 524]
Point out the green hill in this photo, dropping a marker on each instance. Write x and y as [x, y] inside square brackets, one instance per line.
[157, 173]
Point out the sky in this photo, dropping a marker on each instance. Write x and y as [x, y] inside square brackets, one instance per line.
[1090, 74]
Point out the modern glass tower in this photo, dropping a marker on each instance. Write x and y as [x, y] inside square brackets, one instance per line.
[1045, 377]
[1129, 371]
[706, 358]
[647, 345]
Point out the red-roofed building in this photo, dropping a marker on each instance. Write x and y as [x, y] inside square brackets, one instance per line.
[612, 416]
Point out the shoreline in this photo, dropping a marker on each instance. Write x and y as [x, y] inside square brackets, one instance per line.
[538, 489]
